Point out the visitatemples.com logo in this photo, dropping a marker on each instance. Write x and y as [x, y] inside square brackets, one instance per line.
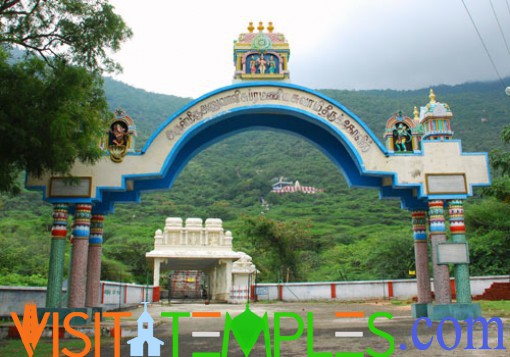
[246, 329]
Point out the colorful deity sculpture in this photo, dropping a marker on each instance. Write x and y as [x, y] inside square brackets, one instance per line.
[262, 55]
[400, 134]
[120, 138]
[432, 122]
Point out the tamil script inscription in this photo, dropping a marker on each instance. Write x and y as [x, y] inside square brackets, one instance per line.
[254, 96]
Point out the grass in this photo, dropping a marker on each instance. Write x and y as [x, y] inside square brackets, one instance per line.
[397, 302]
[499, 308]
[45, 348]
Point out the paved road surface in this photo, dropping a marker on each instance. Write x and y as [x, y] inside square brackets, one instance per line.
[325, 326]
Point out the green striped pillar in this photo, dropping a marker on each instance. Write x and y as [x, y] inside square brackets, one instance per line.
[57, 253]
[458, 235]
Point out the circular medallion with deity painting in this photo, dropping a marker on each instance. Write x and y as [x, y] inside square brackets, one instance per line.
[261, 42]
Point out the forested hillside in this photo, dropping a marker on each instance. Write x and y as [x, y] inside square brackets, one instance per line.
[341, 234]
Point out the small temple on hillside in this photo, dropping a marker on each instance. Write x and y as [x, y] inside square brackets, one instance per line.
[284, 186]
[261, 55]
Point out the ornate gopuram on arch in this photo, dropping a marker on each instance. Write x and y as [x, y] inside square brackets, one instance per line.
[432, 177]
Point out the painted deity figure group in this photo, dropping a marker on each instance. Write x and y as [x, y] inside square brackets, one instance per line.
[262, 64]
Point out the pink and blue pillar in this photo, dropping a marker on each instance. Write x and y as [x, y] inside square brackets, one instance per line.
[94, 261]
[437, 232]
[85, 274]
[419, 219]
[79, 258]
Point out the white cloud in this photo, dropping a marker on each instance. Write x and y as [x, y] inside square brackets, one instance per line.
[185, 48]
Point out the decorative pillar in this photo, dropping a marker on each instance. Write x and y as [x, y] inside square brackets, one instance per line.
[437, 231]
[228, 279]
[156, 290]
[81, 232]
[94, 261]
[58, 248]
[157, 267]
[421, 256]
[458, 235]
[213, 291]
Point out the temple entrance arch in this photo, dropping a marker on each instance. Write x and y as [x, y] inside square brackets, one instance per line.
[435, 171]
[337, 132]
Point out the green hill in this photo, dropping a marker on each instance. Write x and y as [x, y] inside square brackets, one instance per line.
[342, 233]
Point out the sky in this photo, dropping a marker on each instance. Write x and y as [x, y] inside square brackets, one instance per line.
[185, 48]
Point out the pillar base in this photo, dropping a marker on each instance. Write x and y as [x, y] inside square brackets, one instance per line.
[419, 310]
[437, 312]
[221, 297]
[156, 293]
[64, 311]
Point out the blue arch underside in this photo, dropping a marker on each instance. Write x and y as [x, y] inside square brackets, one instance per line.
[314, 129]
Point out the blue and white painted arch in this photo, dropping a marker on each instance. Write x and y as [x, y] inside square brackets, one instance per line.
[435, 172]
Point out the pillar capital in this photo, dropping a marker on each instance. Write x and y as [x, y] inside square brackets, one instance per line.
[419, 220]
[60, 214]
[81, 226]
[96, 229]
[456, 215]
[436, 216]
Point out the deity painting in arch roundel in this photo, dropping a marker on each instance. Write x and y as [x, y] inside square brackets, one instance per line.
[118, 134]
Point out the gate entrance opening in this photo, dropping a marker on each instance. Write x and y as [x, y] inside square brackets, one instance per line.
[428, 176]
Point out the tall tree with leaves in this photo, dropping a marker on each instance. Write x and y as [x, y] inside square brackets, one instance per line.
[500, 161]
[489, 243]
[80, 32]
[276, 247]
[52, 105]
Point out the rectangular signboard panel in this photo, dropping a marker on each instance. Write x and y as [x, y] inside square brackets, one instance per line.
[446, 183]
[452, 253]
[70, 187]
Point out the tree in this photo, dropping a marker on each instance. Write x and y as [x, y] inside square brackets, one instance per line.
[53, 110]
[487, 219]
[390, 255]
[277, 247]
[489, 239]
[387, 254]
[80, 32]
[500, 162]
[131, 254]
[49, 117]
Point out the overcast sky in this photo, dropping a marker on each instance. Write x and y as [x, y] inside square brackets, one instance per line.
[185, 47]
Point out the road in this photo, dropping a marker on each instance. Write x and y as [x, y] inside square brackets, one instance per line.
[323, 333]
